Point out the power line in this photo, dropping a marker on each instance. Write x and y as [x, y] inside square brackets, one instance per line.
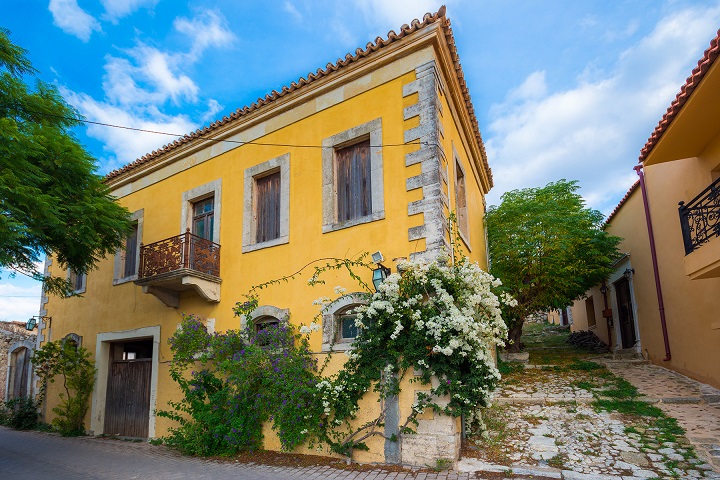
[209, 139]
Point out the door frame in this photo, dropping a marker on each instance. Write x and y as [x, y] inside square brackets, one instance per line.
[14, 348]
[102, 363]
[620, 269]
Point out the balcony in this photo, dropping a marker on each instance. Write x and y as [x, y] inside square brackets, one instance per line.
[178, 264]
[700, 225]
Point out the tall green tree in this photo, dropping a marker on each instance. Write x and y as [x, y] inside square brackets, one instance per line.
[548, 249]
[51, 199]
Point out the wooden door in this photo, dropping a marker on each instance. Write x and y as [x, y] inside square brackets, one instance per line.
[625, 313]
[20, 373]
[127, 405]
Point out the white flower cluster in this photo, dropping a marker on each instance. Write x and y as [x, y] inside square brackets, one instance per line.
[465, 321]
[313, 327]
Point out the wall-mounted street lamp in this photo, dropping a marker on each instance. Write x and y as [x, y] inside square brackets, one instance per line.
[628, 273]
[379, 275]
[33, 321]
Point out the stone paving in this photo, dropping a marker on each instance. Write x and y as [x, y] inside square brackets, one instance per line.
[554, 432]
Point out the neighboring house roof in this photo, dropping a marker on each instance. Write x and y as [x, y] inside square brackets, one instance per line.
[330, 68]
[687, 89]
[622, 202]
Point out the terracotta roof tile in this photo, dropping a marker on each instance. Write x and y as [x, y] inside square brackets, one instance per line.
[686, 90]
[360, 53]
[622, 202]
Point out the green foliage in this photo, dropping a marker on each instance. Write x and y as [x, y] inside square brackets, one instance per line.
[439, 319]
[19, 413]
[72, 364]
[547, 248]
[234, 382]
[51, 198]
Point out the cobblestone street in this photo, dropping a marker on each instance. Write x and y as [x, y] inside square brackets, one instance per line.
[579, 420]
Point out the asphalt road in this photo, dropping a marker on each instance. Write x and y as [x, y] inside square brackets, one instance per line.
[36, 455]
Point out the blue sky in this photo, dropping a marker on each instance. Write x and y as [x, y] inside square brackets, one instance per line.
[561, 88]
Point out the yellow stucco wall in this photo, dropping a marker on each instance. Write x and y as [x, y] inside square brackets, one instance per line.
[108, 308]
[691, 306]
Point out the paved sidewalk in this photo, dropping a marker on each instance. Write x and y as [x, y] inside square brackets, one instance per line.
[551, 429]
[695, 405]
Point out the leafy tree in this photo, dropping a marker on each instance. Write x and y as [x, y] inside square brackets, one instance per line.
[51, 199]
[548, 249]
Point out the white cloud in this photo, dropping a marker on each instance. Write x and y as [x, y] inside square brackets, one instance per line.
[213, 109]
[594, 131]
[124, 145]
[19, 302]
[72, 19]
[293, 11]
[208, 29]
[395, 13]
[139, 83]
[117, 9]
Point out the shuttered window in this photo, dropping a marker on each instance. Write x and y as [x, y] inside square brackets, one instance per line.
[461, 200]
[354, 199]
[268, 208]
[130, 266]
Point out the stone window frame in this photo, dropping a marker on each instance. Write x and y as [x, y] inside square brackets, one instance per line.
[83, 286]
[210, 189]
[119, 262]
[330, 317]
[73, 337]
[464, 233]
[372, 130]
[264, 311]
[278, 164]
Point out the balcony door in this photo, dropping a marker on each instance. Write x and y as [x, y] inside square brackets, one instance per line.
[203, 221]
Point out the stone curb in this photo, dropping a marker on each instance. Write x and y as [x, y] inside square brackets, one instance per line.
[466, 466]
[540, 401]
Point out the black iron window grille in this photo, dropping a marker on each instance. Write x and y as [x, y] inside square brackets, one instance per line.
[700, 217]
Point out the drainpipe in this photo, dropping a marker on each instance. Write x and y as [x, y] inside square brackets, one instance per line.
[653, 254]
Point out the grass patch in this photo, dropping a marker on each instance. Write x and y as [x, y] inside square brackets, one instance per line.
[509, 368]
[584, 365]
[558, 461]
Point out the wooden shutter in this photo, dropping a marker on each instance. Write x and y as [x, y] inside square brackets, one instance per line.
[131, 252]
[268, 208]
[354, 199]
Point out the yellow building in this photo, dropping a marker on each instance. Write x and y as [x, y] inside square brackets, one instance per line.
[372, 153]
[674, 321]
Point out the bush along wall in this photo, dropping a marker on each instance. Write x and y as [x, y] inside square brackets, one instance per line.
[441, 319]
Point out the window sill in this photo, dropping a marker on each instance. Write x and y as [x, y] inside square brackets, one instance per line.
[355, 221]
[270, 243]
[338, 347]
[120, 281]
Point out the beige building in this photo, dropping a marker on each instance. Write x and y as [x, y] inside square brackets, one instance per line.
[663, 299]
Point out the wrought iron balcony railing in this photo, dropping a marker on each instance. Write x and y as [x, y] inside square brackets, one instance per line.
[700, 218]
[183, 252]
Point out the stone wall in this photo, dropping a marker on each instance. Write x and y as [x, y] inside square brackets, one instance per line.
[10, 333]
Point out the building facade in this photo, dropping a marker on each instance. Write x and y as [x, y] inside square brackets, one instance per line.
[373, 153]
[662, 300]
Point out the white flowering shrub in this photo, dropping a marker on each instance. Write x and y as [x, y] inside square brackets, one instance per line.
[440, 320]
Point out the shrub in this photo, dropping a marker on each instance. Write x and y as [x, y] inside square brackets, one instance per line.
[77, 371]
[19, 413]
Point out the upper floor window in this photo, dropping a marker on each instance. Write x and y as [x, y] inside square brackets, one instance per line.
[77, 281]
[200, 212]
[461, 210]
[266, 217]
[203, 222]
[127, 259]
[267, 225]
[353, 177]
[131, 251]
[353, 181]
